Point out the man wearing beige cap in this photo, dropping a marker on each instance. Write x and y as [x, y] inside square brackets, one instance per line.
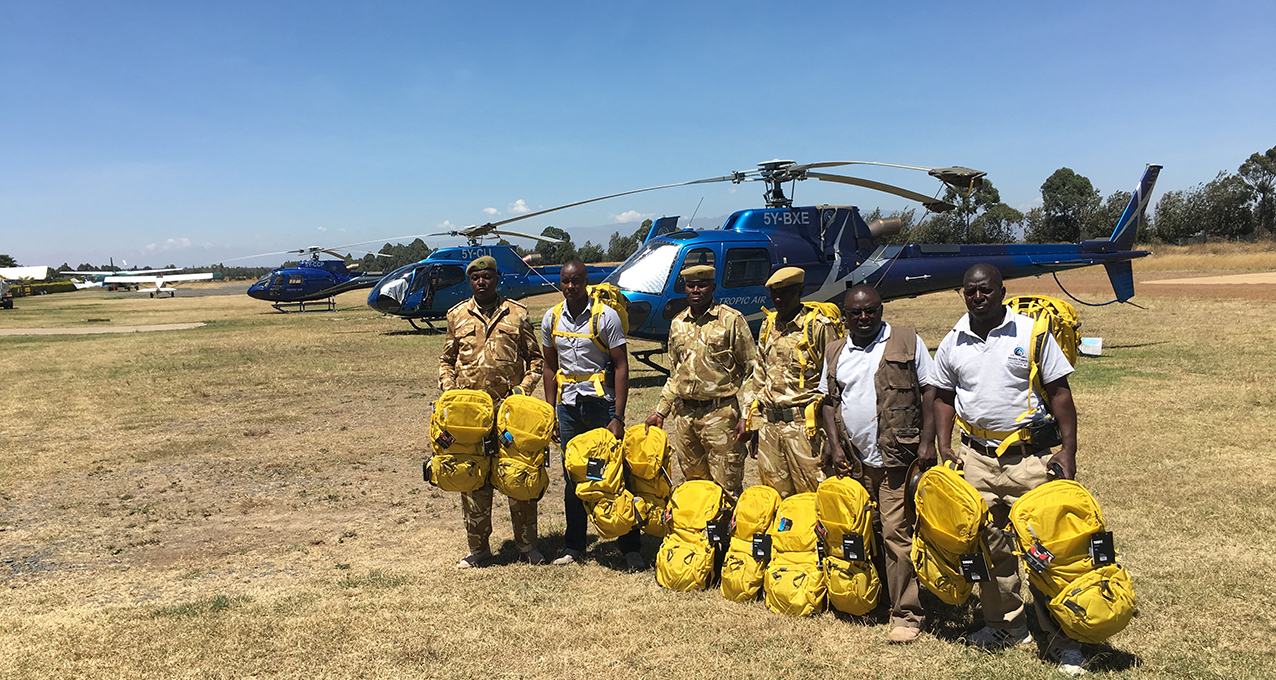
[711, 353]
[491, 346]
[785, 386]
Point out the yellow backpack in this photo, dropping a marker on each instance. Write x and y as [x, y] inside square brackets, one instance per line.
[742, 570]
[795, 582]
[614, 515]
[647, 454]
[951, 519]
[1057, 316]
[816, 312]
[600, 294]
[845, 514]
[595, 463]
[1054, 525]
[524, 428]
[686, 557]
[459, 427]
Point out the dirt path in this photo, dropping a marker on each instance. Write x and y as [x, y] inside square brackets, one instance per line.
[1259, 278]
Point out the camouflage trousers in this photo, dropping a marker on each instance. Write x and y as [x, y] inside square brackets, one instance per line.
[788, 460]
[704, 442]
[476, 506]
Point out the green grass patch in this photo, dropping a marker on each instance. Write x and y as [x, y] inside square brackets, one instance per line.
[212, 605]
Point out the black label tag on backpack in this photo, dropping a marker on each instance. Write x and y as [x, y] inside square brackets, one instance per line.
[714, 530]
[761, 547]
[784, 524]
[506, 438]
[853, 547]
[821, 531]
[445, 439]
[1037, 557]
[1102, 550]
[594, 469]
[974, 568]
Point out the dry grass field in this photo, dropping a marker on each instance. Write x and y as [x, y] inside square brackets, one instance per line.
[245, 499]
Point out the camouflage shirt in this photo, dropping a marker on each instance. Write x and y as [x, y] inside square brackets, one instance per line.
[494, 354]
[779, 379]
[710, 357]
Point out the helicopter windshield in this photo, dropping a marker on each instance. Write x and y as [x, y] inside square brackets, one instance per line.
[648, 270]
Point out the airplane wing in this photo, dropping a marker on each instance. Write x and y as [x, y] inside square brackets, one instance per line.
[159, 279]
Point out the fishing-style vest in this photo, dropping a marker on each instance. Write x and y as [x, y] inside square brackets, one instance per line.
[899, 396]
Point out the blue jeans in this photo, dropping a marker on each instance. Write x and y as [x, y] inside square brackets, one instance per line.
[586, 415]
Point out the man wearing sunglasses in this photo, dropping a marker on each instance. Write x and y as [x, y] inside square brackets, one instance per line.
[879, 386]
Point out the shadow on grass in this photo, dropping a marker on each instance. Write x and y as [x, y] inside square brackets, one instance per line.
[647, 381]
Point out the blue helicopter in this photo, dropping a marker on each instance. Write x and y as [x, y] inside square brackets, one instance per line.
[424, 291]
[838, 250]
[312, 282]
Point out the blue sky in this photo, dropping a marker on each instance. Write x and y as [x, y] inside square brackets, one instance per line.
[191, 133]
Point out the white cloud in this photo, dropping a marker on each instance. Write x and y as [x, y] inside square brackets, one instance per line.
[491, 211]
[519, 207]
[731, 190]
[322, 229]
[168, 244]
[632, 216]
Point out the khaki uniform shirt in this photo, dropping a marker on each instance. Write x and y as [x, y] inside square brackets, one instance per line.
[495, 354]
[779, 379]
[710, 356]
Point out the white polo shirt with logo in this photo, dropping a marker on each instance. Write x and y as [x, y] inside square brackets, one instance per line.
[579, 355]
[990, 377]
[857, 372]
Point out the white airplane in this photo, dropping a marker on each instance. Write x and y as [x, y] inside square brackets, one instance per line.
[159, 280]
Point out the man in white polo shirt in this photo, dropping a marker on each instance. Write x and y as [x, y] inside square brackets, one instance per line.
[982, 372]
[879, 384]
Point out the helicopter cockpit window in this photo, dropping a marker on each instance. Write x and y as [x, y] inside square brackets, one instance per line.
[695, 257]
[279, 281]
[646, 271]
[263, 281]
[449, 276]
[746, 267]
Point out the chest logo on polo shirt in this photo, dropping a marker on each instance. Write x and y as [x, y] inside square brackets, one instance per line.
[1019, 360]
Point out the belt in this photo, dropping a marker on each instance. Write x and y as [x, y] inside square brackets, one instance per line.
[991, 450]
[712, 403]
[775, 414]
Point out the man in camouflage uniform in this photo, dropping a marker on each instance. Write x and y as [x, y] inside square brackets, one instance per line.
[788, 441]
[711, 352]
[490, 346]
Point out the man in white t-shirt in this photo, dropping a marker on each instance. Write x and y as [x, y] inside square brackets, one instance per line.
[982, 374]
[879, 385]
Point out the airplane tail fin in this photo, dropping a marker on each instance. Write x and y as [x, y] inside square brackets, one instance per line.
[1128, 226]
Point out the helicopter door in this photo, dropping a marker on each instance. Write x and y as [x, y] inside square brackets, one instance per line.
[443, 292]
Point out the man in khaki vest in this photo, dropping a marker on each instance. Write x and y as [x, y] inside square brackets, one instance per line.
[877, 418]
[490, 346]
[711, 354]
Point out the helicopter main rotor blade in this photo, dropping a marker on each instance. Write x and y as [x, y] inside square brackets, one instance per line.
[932, 204]
[726, 178]
[543, 239]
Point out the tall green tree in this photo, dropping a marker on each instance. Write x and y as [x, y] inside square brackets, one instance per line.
[1259, 171]
[1226, 207]
[556, 253]
[620, 247]
[1068, 204]
[7, 261]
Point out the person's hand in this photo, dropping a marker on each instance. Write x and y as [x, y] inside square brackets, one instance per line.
[557, 438]
[616, 428]
[654, 419]
[753, 445]
[947, 455]
[837, 459]
[926, 455]
[741, 428]
[1066, 461]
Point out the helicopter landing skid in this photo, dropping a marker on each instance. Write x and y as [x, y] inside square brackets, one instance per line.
[429, 329]
[327, 305]
[645, 357]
